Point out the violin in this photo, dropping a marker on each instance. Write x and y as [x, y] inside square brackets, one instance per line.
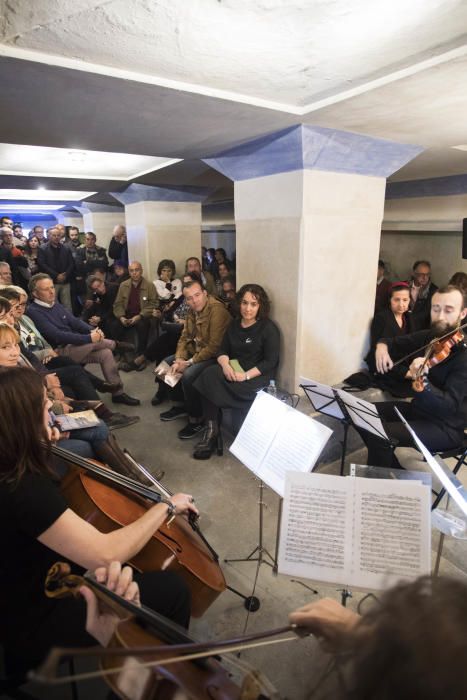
[437, 351]
[161, 661]
[109, 500]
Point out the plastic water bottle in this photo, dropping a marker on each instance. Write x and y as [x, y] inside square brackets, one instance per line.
[271, 389]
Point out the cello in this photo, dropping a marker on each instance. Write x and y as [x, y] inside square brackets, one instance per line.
[109, 500]
[163, 662]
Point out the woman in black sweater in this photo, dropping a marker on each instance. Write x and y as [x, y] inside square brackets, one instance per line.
[247, 361]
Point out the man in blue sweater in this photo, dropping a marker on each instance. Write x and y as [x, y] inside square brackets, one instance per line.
[72, 337]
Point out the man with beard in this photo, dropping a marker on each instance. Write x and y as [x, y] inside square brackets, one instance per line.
[436, 413]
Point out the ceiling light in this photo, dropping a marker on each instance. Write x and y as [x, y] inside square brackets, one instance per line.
[43, 194]
[31, 207]
[462, 147]
[77, 156]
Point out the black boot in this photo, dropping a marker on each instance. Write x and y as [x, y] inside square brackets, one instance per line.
[161, 394]
[211, 440]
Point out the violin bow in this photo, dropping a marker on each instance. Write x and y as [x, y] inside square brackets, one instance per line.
[429, 344]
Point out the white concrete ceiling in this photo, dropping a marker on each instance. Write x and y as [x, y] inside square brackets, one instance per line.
[187, 78]
[288, 52]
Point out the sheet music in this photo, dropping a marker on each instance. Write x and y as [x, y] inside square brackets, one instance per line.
[258, 430]
[295, 447]
[368, 533]
[363, 413]
[392, 532]
[450, 482]
[322, 397]
[276, 438]
[314, 534]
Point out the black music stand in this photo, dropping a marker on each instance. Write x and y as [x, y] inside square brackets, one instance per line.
[329, 405]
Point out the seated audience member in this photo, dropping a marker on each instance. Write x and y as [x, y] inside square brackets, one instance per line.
[197, 348]
[389, 323]
[72, 337]
[421, 291]
[5, 273]
[76, 382]
[118, 246]
[194, 265]
[252, 341]
[168, 288]
[6, 221]
[166, 342]
[56, 260]
[100, 311]
[90, 257]
[38, 529]
[223, 273]
[134, 306]
[436, 412]
[31, 253]
[383, 286]
[228, 295]
[407, 646]
[95, 442]
[119, 274]
[14, 257]
[459, 279]
[220, 256]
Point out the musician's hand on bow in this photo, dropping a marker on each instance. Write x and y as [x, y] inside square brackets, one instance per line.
[417, 369]
[100, 620]
[184, 503]
[383, 358]
[327, 619]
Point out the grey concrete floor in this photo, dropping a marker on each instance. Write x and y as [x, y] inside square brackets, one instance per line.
[227, 496]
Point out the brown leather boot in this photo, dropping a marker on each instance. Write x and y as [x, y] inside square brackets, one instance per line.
[112, 454]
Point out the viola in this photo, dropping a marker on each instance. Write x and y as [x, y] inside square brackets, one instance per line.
[162, 659]
[437, 351]
[109, 500]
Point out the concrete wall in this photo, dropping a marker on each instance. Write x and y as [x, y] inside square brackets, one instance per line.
[158, 230]
[429, 228]
[400, 249]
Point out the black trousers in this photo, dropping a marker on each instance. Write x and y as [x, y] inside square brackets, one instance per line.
[64, 624]
[434, 437]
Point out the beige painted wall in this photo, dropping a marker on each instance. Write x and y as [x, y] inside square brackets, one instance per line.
[158, 230]
[444, 250]
[425, 213]
[102, 224]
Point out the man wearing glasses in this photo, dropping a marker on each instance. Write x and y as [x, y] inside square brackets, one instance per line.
[421, 291]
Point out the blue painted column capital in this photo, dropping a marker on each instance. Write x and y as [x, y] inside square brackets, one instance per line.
[305, 147]
[135, 193]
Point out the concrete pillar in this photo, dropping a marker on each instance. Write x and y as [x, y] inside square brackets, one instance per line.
[162, 222]
[308, 209]
[101, 219]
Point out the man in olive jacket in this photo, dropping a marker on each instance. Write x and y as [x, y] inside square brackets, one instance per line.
[197, 348]
[134, 307]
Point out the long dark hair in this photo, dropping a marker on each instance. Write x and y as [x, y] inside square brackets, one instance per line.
[22, 431]
[260, 296]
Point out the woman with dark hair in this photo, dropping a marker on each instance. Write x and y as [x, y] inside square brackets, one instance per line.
[411, 644]
[459, 279]
[390, 323]
[38, 528]
[30, 253]
[168, 287]
[247, 360]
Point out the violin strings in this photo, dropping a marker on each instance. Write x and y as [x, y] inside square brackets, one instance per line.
[161, 662]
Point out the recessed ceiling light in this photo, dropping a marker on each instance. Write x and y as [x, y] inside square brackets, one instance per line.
[37, 208]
